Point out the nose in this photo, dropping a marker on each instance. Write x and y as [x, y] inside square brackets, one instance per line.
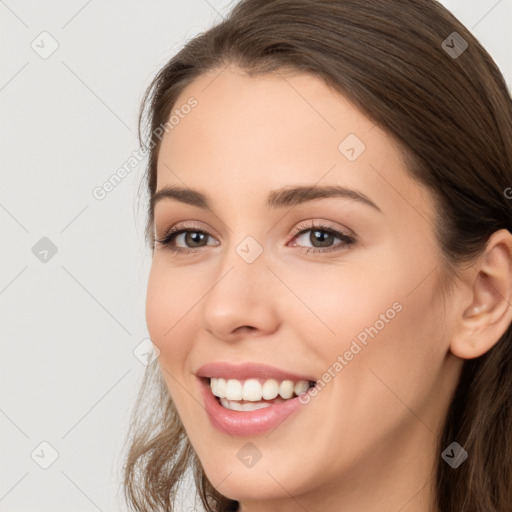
[242, 300]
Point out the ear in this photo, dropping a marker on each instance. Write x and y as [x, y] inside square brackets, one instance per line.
[482, 323]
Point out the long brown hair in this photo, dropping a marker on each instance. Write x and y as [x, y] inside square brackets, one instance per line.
[448, 107]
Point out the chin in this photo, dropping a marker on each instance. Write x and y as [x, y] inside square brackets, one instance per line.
[265, 480]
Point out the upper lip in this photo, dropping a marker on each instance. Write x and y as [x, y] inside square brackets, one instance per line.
[245, 371]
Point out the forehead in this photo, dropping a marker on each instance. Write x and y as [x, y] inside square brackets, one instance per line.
[275, 111]
[260, 133]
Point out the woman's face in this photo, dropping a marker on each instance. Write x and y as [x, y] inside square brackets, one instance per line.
[261, 294]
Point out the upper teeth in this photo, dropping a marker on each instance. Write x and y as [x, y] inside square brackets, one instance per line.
[256, 389]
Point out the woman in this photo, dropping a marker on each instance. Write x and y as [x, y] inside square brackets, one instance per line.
[332, 265]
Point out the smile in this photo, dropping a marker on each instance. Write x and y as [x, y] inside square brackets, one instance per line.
[250, 399]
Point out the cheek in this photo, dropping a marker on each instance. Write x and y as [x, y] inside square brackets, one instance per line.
[383, 319]
[169, 306]
[169, 318]
[398, 328]
[158, 305]
[339, 302]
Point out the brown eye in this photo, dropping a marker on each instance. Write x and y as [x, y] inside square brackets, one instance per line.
[191, 238]
[321, 239]
[194, 238]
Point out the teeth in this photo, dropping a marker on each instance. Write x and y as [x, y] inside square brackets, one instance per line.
[301, 387]
[237, 406]
[270, 389]
[221, 387]
[251, 390]
[286, 389]
[254, 390]
[233, 389]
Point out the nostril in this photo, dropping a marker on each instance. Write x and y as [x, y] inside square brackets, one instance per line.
[244, 328]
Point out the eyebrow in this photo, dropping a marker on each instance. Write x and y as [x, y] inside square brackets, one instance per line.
[281, 198]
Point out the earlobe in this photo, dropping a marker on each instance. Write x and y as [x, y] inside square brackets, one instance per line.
[482, 324]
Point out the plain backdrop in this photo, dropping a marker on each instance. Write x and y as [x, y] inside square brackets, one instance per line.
[74, 267]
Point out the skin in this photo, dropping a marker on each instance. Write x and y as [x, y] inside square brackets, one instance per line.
[367, 441]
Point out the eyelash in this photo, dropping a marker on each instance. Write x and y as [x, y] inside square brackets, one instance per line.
[169, 237]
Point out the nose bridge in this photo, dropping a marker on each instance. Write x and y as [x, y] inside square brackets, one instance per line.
[245, 255]
[240, 295]
[243, 272]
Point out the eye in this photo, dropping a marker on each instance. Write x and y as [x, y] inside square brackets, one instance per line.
[193, 236]
[321, 238]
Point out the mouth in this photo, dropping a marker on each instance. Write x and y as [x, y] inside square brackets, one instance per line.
[255, 393]
[251, 399]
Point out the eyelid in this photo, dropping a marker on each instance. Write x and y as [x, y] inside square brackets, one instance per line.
[185, 225]
[320, 224]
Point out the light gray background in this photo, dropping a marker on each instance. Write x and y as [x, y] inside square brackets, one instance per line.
[69, 325]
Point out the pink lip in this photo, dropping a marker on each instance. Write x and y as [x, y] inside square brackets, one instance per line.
[248, 370]
[246, 423]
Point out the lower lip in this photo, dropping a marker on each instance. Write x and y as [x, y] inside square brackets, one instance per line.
[246, 423]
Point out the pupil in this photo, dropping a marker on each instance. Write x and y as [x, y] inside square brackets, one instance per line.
[194, 235]
[322, 236]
